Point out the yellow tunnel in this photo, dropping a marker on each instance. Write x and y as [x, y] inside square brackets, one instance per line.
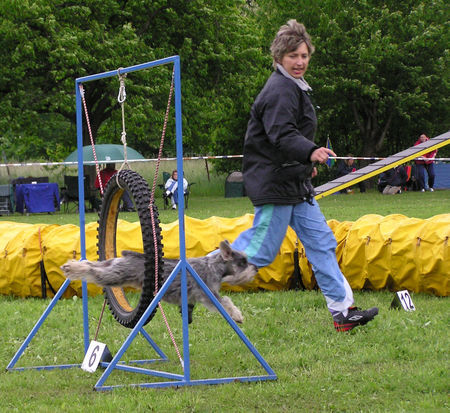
[374, 252]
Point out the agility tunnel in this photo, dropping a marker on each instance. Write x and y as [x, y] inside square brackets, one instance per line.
[375, 252]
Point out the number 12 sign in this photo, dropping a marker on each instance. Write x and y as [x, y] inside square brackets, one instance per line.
[403, 299]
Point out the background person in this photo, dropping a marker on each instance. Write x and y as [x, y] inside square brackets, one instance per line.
[393, 181]
[425, 165]
[345, 167]
[105, 175]
[171, 188]
[278, 164]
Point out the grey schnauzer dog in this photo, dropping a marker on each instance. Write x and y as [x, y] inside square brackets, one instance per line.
[227, 265]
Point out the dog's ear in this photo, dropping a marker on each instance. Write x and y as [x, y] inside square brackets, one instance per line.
[226, 251]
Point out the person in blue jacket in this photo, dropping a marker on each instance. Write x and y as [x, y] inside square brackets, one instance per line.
[171, 187]
[278, 163]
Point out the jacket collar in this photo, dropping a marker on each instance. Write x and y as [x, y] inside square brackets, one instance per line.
[301, 83]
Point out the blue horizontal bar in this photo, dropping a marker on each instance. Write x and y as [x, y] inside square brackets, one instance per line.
[148, 372]
[129, 69]
[144, 361]
[192, 382]
[54, 367]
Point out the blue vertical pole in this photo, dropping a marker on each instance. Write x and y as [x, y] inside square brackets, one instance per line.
[84, 292]
[179, 145]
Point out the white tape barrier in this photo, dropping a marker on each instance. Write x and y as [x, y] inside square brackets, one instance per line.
[190, 158]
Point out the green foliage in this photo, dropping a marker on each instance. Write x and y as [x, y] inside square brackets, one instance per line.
[380, 71]
[55, 42]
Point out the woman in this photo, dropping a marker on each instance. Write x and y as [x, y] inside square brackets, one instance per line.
[278, 164]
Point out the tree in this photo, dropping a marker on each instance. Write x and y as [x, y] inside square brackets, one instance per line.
[49, 43]
[378, 72]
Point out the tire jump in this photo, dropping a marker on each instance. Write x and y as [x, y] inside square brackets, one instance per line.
[125, 313]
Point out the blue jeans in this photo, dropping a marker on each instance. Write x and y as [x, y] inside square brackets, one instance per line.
[421, 167]
[262, 241]
[128, 203]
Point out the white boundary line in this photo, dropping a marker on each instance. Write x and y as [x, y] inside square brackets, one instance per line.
[189, 158]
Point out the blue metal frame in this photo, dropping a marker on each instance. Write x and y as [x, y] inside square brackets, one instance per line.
[181, 269]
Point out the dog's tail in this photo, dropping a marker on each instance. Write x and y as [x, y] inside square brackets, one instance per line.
[115, 272]
[78, 270]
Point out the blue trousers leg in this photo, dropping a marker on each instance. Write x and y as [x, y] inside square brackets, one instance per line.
[320, 244]
[262, 242]
[127, 200]
[421, 175]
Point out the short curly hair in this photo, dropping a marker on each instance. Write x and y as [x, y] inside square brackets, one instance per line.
[289, 37]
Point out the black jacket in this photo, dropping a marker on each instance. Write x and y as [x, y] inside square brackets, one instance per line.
[394, 177]
[278, 144]
[344, 169]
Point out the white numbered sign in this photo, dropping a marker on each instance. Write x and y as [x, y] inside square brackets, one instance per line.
[405, 301]
[93, 356]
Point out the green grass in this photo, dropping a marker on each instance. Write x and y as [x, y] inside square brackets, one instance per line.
[397, 363]
[339, 207]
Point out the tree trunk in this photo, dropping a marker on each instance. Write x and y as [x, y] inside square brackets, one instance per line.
[372, 134]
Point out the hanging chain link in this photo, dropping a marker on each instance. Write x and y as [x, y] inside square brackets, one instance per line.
[121, 97]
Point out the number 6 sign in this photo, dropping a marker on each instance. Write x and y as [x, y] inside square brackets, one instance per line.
[93, 356]
[403, 300]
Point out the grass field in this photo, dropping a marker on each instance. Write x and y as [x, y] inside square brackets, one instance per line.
[397, 363]
[339, 207]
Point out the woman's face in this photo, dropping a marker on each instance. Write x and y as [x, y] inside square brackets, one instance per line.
[296, 62]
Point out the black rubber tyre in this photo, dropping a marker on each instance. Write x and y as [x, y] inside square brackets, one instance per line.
[139, 191]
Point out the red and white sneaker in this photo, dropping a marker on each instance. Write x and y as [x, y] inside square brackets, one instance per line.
[355, 317]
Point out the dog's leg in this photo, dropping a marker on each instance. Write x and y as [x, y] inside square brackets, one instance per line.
[190, 310]
[227, 304]
[232, 310]
[126, 271]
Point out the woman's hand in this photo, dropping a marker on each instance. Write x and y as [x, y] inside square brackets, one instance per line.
[314, 172]
[321, 155]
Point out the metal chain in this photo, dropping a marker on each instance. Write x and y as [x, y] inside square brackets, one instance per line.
[121, 97]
